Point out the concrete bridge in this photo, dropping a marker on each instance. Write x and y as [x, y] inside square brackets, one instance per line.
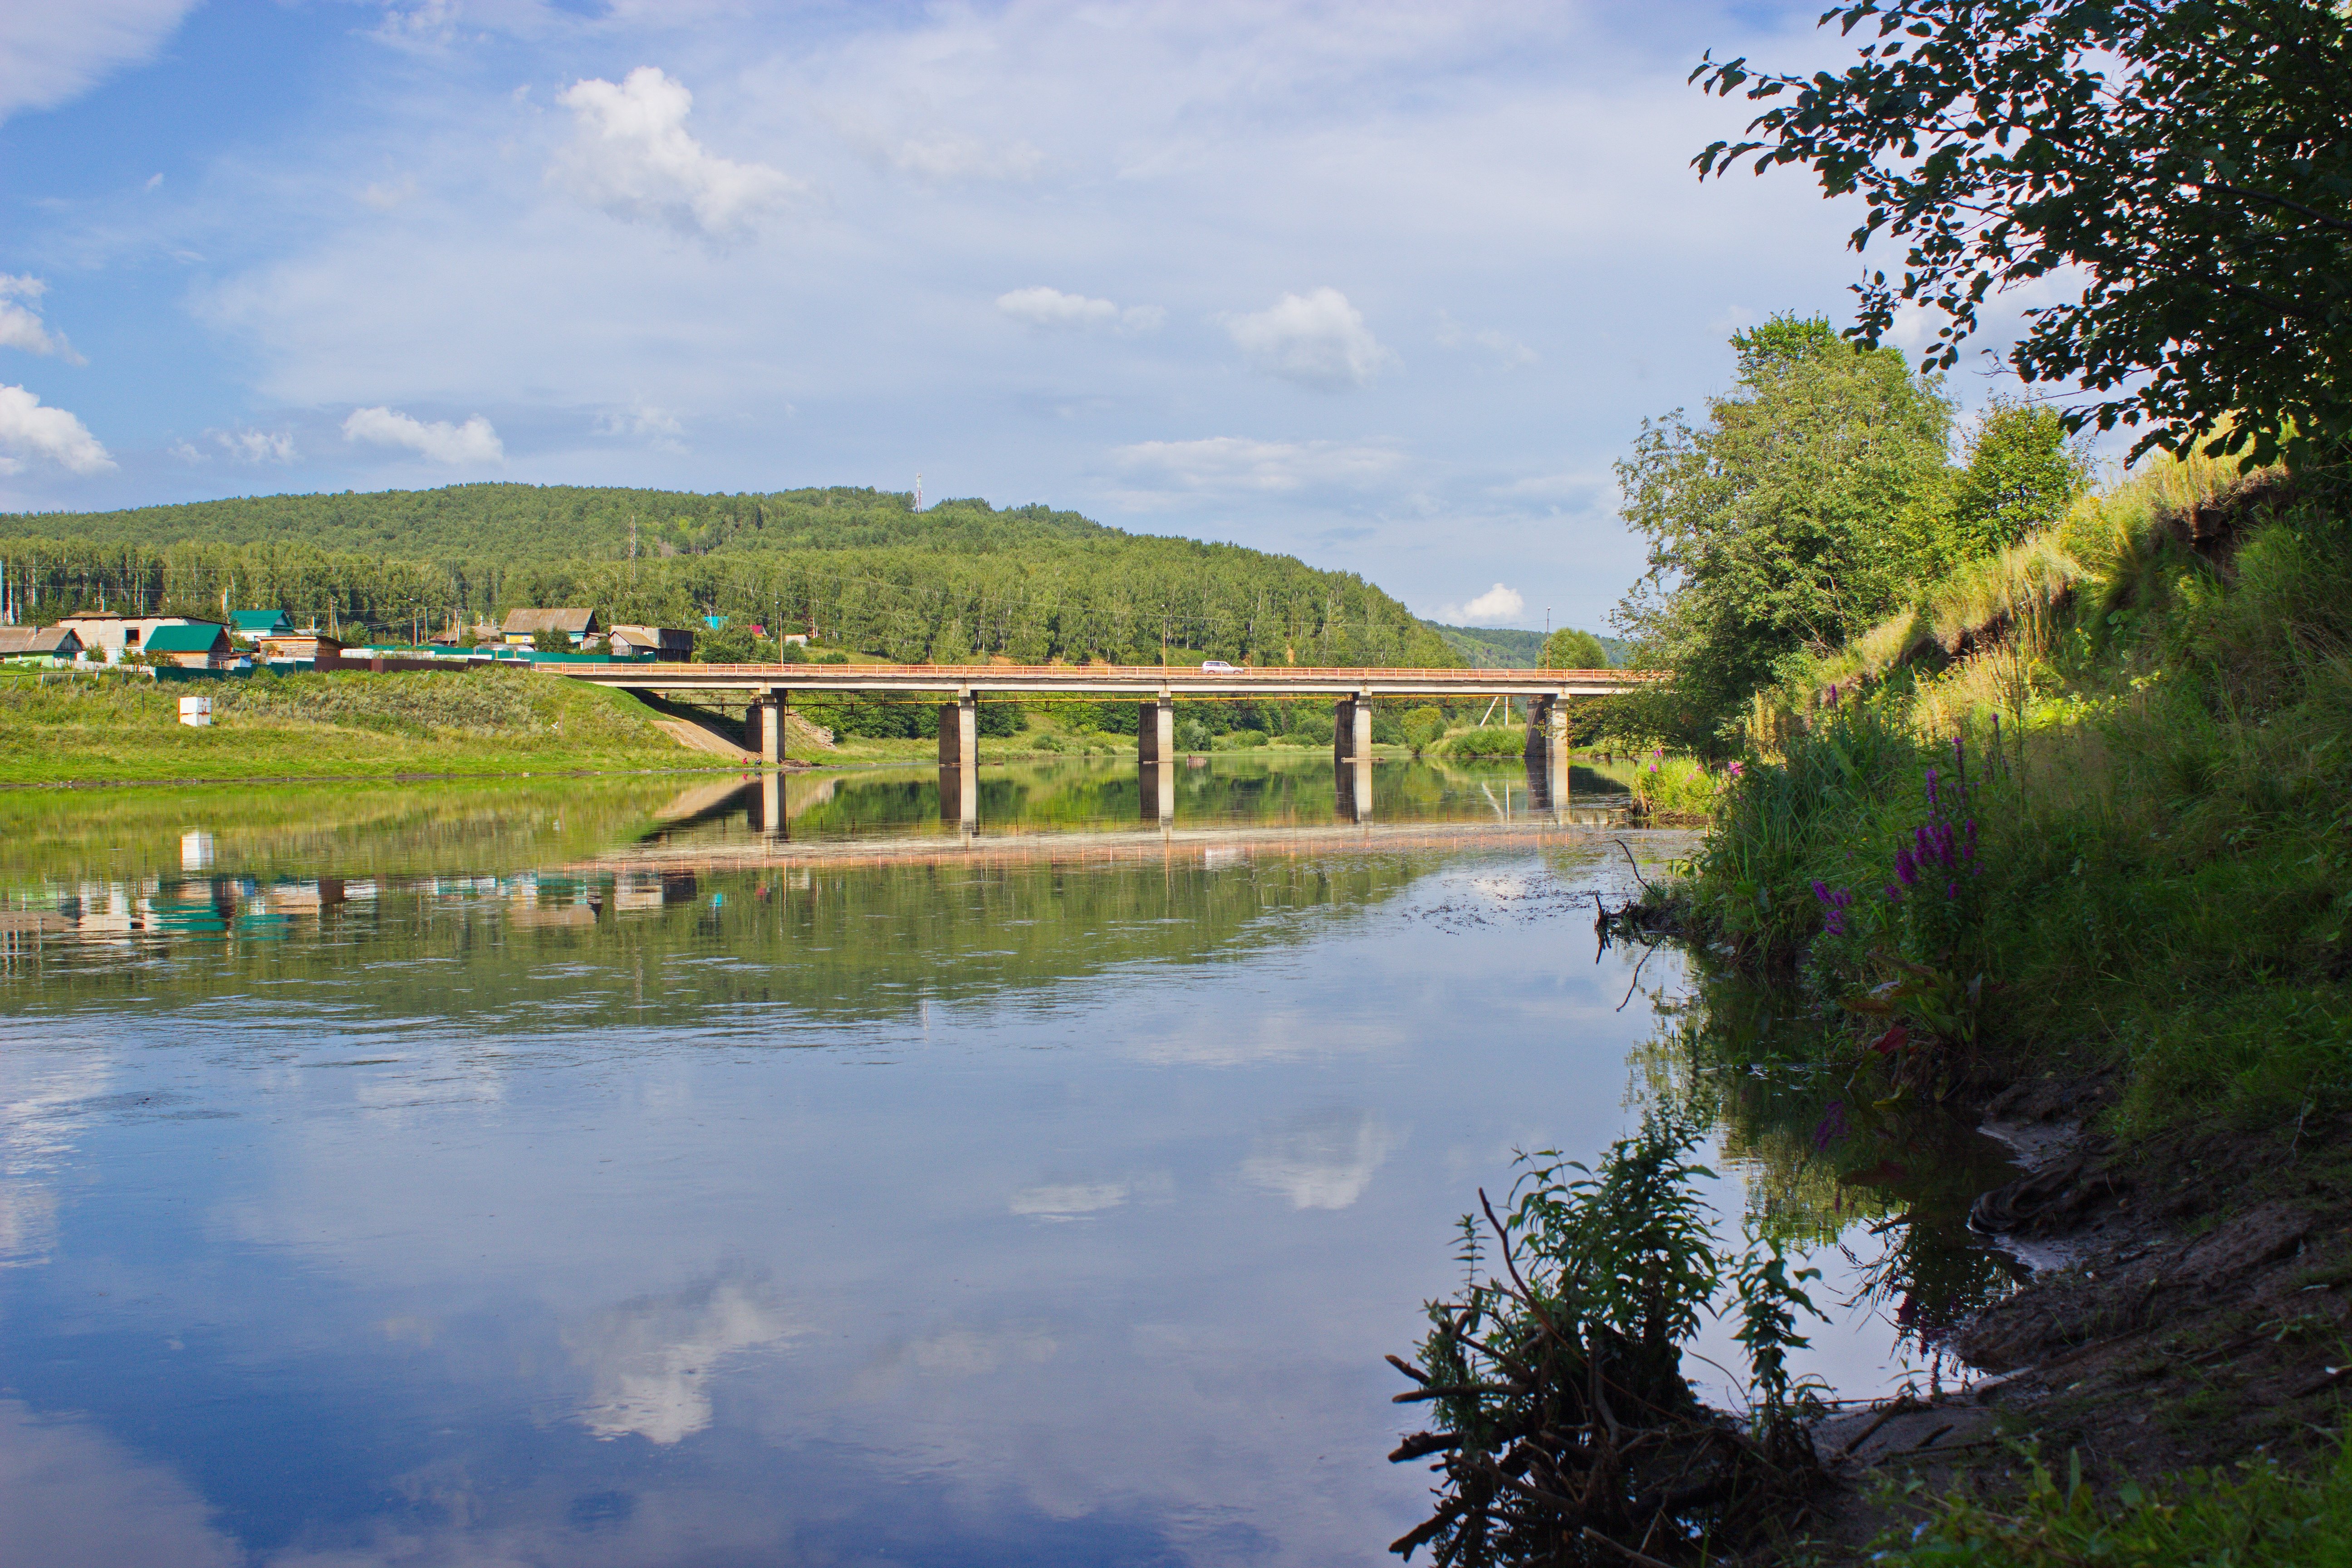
[1155, 688]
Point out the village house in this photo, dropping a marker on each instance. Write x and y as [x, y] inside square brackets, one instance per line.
[111, 636]
[522, 627]
[664, 645]
[195, 645]
[254, 625]
[308, 643]
[46, 644]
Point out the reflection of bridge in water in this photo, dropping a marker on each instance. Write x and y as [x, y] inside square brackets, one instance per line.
[1540, 794]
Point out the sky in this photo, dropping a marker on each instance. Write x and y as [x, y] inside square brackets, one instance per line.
[1389, 287]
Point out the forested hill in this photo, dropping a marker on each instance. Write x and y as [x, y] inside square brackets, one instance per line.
[514, 524]
[860, 566]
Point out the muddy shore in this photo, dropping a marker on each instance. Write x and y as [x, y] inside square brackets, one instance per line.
[2191, 1306]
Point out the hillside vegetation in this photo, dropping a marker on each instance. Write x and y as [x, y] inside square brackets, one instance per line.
[114, 728]
[858, 567]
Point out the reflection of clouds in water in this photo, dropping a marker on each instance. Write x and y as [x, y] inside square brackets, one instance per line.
[29, 1224]
[956, 1354]
[71, 1495]
[1068, 1200]
[1322, 1161]
[43, 1103]
[652, 1359]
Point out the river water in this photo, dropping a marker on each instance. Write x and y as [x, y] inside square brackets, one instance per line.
[647, 1171]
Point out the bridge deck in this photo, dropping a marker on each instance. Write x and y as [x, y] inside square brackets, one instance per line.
[1107, 680]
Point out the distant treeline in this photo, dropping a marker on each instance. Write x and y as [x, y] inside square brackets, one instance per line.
[858, 568]
[1507, 647]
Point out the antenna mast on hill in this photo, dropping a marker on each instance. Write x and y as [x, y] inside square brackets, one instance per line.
[919, 492]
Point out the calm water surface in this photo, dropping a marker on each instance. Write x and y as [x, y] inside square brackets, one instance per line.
[632, 1171]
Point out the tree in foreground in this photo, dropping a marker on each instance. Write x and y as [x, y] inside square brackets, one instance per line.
[2189, 161]
[1792, 518]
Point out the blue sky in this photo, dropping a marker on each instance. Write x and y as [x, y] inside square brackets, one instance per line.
[1387, 287]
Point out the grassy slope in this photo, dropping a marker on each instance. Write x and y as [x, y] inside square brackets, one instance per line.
[2158, 909]
[85, 729]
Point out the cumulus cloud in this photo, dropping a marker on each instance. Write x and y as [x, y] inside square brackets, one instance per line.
[257, 446]
[1498, 606]
[21, 326]
[50, 55]
[1236, 463]
[1316, 339]
[51, 435]
[440, 442]
[652, 1359]
[1323, 1161]
[632, 156]
[1049, 308]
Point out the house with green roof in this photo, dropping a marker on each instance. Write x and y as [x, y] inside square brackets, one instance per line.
[204, 645]
[256, 624]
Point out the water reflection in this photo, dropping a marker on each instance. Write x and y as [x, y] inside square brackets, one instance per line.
[447, 1178]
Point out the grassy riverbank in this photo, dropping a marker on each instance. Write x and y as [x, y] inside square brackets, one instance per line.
[109, 728]
[2068, 841]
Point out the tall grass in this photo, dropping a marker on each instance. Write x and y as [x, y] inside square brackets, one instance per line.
[2161, 754]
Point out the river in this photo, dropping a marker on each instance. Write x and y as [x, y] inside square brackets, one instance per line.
[640, 1171]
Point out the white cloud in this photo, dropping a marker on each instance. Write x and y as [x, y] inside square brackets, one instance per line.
[439, 442]
[27, 428]
[1512, 354]
[52, 54]
[1068, 1200]
[21, 326]
[1498, 606]
[631, 155]
[1048, 308]
[1323, 1161]
[257, 446]
[1317, 340]
[1236, 463]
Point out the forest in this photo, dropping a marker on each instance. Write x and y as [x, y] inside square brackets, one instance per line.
[856, 569]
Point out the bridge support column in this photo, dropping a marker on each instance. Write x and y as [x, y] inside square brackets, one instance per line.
[960, 733]
[1351, 730]
[1546, 729]
[773, 714]
[1155, 731]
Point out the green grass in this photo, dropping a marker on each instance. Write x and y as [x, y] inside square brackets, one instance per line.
[88, 729]
[2258, 1516]
[2163, 879]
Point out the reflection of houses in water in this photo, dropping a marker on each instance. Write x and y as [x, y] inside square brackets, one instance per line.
[641, 892]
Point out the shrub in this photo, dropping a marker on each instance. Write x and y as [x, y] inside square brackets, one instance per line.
[1497, 741]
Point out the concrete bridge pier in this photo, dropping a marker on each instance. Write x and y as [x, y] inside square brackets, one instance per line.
[1351, 729]
[764, 723]
[1159, 792]
[959, 795]
[1546, 728]
[1353, 781]
[960, 733]
[1155, 731]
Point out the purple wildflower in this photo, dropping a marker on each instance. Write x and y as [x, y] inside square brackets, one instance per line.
[1907, 867]
[1931, 788]
[1832, 1126]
